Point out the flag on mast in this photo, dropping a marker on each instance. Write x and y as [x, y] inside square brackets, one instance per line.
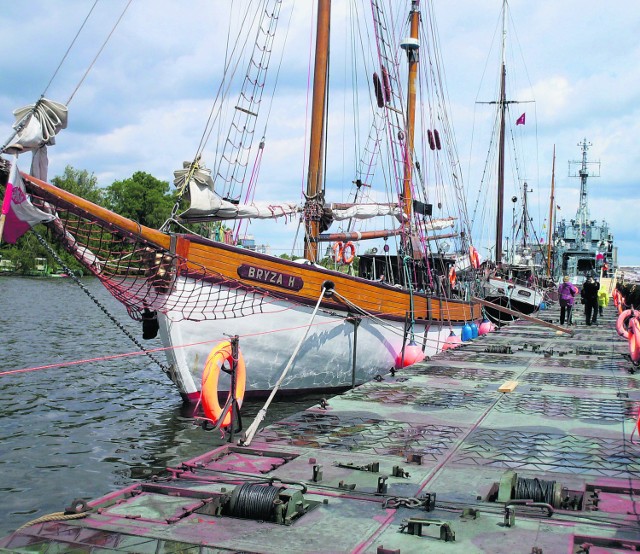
[18, 213]
[520, 120]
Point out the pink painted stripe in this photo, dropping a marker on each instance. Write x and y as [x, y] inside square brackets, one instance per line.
[7, 199]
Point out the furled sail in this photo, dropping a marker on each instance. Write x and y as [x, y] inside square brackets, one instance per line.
[206, 205]
[36, 128]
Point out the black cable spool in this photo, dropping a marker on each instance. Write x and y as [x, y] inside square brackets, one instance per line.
[254, 501]
[537, 490]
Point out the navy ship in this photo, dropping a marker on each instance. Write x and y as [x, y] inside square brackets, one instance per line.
[582, 245]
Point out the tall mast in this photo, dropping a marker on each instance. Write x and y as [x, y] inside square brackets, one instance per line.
[503, 109]
[582, 216]
[412, 47]
[552, 202]
[315, 192]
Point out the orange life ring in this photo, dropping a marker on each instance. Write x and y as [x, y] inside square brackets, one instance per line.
[220, 354]
[623, 322]
[474, 257]
[452, 276]
[348, 258]
[338, 249]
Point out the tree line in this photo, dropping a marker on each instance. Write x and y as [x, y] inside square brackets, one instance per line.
[140, 197]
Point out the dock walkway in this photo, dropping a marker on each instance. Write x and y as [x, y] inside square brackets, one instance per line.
[433, 459]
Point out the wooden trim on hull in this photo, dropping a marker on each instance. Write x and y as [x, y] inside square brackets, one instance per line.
[199, 253]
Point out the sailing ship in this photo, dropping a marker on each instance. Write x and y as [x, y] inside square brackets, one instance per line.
[584, 246]
[204, 290]
[512, 280]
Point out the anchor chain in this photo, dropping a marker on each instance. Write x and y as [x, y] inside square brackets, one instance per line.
[97, 302]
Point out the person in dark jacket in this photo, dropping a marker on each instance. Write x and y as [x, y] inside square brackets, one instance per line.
[566, 293]
[589, 296]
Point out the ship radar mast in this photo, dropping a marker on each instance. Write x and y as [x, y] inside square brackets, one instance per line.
[585, 170]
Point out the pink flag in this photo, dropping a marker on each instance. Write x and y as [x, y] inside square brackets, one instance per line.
[18, 213]
[520, 120]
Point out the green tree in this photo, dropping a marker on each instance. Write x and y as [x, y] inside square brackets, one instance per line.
[142, 198]
[81, 183]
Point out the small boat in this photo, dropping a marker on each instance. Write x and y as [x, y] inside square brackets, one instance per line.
[349, 326]
[513, 279]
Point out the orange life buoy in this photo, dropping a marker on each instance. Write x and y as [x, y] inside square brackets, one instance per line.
[474, 257]
[623, 322]
[338, 249]
[220, 354]
[452, 276]
[347, 258]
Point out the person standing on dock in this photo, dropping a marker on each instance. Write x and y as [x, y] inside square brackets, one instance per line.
[566, 297]
[589, 296]
[603, 300]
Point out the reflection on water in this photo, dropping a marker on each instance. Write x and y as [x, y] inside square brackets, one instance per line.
[83, 430]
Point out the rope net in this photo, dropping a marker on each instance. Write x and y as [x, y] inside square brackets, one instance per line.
[141, 275]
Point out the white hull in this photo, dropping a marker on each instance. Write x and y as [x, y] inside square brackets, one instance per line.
[268, 339]
[527, 296]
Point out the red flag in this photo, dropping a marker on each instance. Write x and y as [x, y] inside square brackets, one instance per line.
[520, 120]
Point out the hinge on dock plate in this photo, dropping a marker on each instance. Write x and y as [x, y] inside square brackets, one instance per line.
[373, 467]
[413, 526]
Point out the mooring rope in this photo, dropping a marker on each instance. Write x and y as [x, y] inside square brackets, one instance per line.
[253, 428]
[97, 302]
[55, 516]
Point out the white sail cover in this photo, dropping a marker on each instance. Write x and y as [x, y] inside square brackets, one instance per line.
[205, 204]
[37, 125]
[366, 211]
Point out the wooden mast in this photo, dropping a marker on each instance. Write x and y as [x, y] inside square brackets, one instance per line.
[551, 211]
[315, 196]
[412, 47]
[503, 109]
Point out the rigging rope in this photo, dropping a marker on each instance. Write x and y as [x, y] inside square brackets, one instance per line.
[97, 302]
[253, 428]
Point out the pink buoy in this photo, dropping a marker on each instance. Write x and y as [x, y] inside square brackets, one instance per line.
[452, 341]
[485, 327]
[412, 355]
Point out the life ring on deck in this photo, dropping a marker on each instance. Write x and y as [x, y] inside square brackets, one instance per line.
[220, 354]
[338, 249]
[623, 323]
[347, 258]
[452, 276]
[474, 257]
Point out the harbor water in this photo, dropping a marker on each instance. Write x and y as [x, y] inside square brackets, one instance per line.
[83, 430]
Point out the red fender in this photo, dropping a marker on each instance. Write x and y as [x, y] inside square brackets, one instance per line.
[634, 340]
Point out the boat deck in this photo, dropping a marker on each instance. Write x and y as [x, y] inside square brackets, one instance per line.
[433, 459]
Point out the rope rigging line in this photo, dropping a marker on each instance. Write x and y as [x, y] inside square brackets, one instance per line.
[97, 302]
[253, 428]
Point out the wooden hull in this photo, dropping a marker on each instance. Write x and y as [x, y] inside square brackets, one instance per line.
[205, 290]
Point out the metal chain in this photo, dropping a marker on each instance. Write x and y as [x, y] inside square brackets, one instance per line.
[397, 501]
[97, 302]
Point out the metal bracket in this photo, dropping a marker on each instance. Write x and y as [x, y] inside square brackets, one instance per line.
[413, 526]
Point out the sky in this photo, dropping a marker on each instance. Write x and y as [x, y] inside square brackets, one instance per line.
[144, 103]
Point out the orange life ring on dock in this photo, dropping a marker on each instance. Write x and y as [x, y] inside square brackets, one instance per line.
[452, 276]
[220, 354]
[623, 323]
[338, 249]
[347, 258]
[474, 257]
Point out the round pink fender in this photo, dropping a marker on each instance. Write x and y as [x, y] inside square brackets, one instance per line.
[412, 355]
[452, 341]
[485, 327]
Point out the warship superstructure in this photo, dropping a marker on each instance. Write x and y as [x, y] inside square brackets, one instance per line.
[582, 245]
